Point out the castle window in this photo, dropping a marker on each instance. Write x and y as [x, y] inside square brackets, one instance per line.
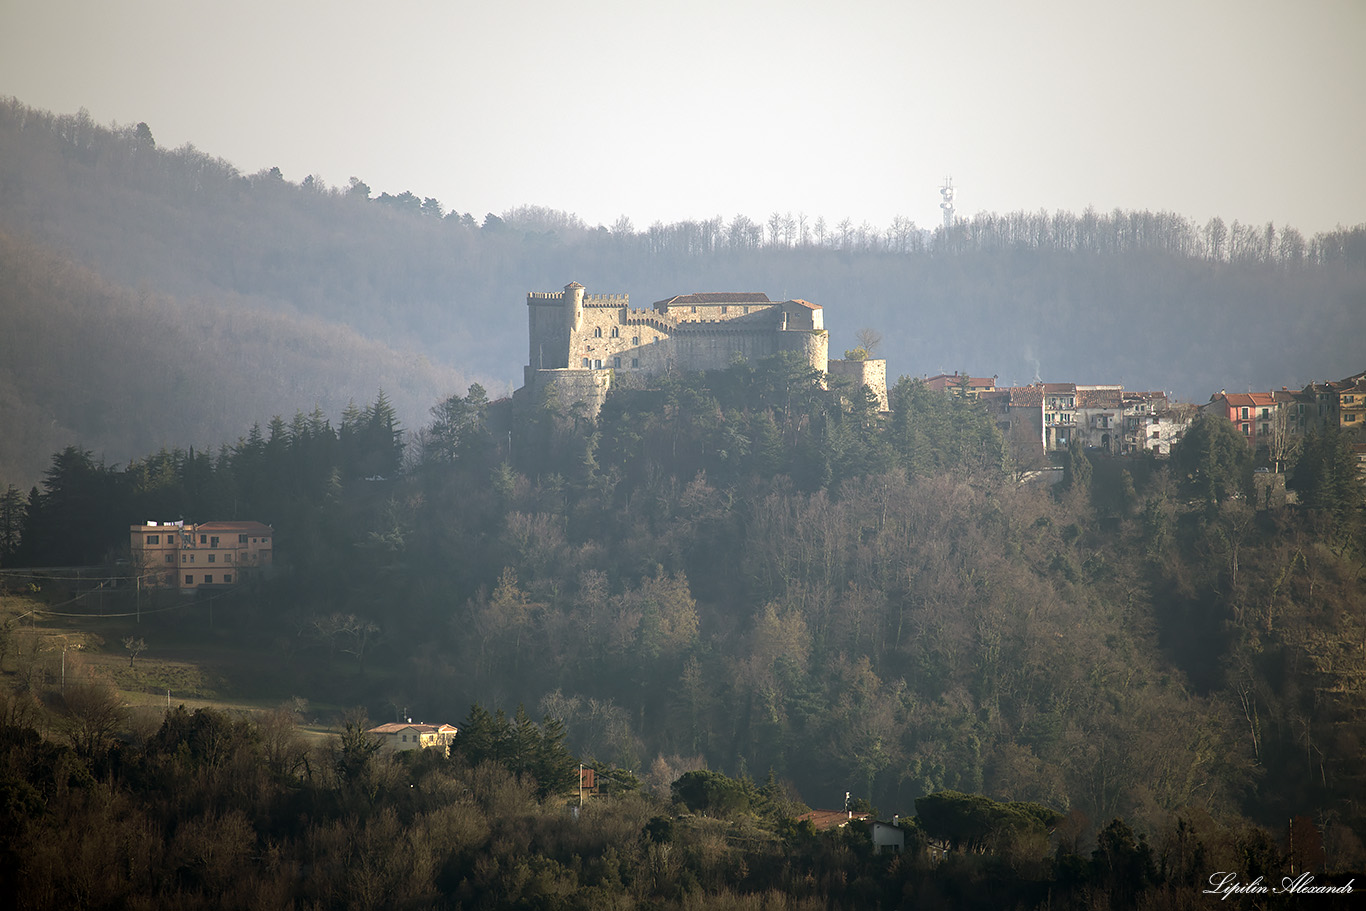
[616, 362]
[614, 332]
[635, 340]
[585, 362]
[597, 333]
[597, 364]
[655, 340]
[725, 309]
[635, 362]
[694, 309]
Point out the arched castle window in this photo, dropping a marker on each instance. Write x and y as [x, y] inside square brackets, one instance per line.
[635, 340]
[585, 362]
[614, 332]
[597, 333]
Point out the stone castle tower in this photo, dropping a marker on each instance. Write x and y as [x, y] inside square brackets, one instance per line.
[579, 342]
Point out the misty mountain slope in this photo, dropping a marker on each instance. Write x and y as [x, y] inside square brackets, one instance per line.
[184, 223]
[84, 362]
[1144, 299]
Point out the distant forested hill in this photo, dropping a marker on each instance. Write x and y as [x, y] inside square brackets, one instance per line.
[1151, 300]
[125, 372]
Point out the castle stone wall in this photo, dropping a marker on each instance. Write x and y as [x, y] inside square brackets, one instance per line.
[577, 340]
[568, 387]
[547, 330]
[871, 373]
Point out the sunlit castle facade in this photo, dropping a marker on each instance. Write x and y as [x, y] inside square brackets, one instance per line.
[581, 343]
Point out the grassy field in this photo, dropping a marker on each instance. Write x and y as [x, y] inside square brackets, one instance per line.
[177, 654]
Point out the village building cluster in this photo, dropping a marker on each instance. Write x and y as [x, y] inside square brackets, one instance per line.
[1098, 417]
[1118, 422]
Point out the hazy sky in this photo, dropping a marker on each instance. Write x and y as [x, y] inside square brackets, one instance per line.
[1247, 109]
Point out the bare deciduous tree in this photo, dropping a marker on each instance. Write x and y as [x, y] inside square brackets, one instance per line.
[135, 648]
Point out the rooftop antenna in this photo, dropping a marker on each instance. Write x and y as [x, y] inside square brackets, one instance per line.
[946, 191]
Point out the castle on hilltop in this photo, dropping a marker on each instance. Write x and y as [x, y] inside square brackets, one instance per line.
[581, 343]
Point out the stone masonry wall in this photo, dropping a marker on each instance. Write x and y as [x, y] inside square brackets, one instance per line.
[871, 373]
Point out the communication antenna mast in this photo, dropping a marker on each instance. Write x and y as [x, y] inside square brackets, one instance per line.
[946, 191]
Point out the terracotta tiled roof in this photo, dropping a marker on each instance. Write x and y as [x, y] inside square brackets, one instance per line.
[395, 727]
[1025, 395]
[947, 380]
[246, 528]
[807, 304]
[1247, 399]
[1098, 398]
[1055, 388]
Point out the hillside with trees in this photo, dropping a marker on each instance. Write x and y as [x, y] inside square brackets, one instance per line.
[1149, 299]
[750, 572]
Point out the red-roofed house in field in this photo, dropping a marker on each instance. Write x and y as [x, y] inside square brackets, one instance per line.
[408, 735]
[887, 836]
[189, 557]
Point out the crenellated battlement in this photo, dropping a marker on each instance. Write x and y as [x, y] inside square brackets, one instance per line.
[607, 300]
[544, 297]
[650, 318]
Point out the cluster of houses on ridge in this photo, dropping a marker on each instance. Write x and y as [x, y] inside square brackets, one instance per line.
[1112, 420]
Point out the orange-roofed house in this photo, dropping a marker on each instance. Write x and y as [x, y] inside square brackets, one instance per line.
[1251, 413]
[961, 384]
[407, 735]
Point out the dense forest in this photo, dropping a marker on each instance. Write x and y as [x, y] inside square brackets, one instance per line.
[268, 294]
[750, 572]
